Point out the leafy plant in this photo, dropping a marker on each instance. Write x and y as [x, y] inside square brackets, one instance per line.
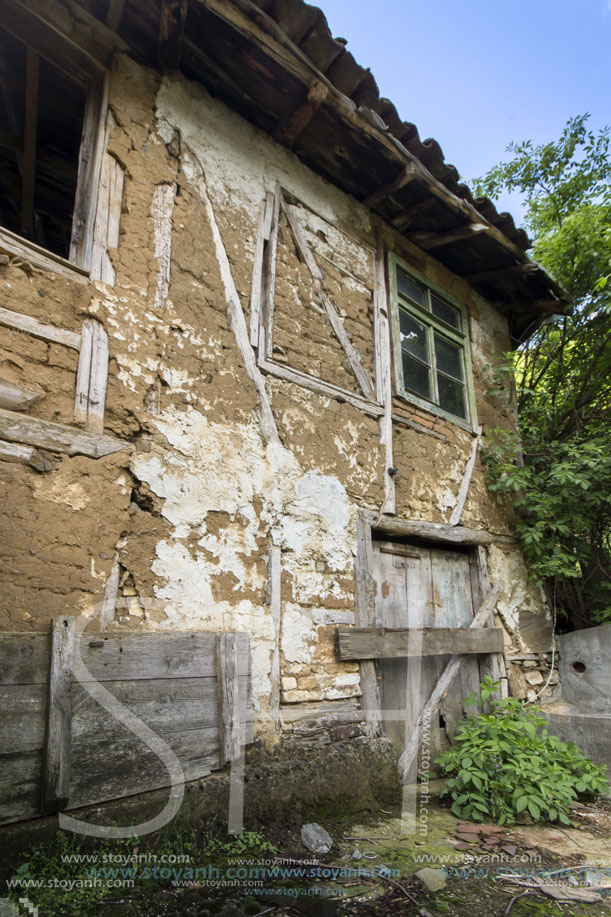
[247, 843]
[505, 762]
[555, 468]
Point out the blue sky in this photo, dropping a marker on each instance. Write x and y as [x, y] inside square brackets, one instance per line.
[477, 74]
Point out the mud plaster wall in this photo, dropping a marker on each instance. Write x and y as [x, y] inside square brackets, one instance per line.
[191, 508]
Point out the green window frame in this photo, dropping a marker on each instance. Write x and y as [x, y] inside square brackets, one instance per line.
[431, 347]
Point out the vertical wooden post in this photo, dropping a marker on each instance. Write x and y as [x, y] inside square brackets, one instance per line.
[381, 333]
[28, 175]
[493, 665]
[56, 772]
[370, 700]
[228, 687]
[92, 376]
[275, 607]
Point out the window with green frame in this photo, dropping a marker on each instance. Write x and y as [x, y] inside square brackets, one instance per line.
[432, 359]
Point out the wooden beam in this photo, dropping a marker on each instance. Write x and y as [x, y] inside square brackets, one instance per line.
[318, 385]
[15, 398]
[436, 531]
[266, 329]
[56, 774]
[56, 437]
[39, 329]
[114, 14]
[274, 600]
[92, 376]
[30, 130]
[26, 455]
[294, 123]
[431, 708]
[526, 268]
[405, 176]
[171, 30]
[431, 240]
[386, 643]
[228, 698]
[466, 481]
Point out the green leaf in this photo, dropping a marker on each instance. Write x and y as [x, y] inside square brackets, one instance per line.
[534, 809]
[521, 804]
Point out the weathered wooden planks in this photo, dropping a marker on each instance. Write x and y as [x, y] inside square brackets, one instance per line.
[26, 455]
[56, 772]
[92, 376]
[384, 643]
[192, 690]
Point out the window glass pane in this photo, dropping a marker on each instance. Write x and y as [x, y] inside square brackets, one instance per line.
[413, 336]
[452, 396]
[445, 312]
[416, 376]
[448, 358]
[410, 289]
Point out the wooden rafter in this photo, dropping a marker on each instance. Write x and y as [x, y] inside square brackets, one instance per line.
[430, 240]
[293, 124]
[171, 29]
[405, 176]
[115, 14]
[409, 214]
[493, 274]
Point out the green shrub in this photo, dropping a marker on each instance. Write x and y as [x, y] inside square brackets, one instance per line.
[504, 762]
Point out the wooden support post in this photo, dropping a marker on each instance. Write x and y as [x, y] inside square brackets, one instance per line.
[266, 328]
[431, 708]
[466, 481]
[381, 331]
[364, 605]
[256, 293]
[493, 665]
[107, 219]
[109, 602]
[56, 774]
[275, 606]
[114, 14]
[171, 29]
[92, 376]
[228, 698]
[28, 174]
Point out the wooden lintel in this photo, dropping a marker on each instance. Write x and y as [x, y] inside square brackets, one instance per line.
[293, 124]
[56, 774]
[395, 643]
[56, 437]
[436, 531]
[429, 241]
[405, 176]
[171, 30]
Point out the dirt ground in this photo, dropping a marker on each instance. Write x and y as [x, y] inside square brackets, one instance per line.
[372, 869]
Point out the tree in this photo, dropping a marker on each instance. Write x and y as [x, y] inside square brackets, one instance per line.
[558, 469]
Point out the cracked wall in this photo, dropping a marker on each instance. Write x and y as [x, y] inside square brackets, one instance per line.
[188, 514]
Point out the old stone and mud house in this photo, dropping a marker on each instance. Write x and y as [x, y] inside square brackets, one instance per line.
[250, 331]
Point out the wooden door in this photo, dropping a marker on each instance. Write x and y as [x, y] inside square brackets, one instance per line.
[418, 586]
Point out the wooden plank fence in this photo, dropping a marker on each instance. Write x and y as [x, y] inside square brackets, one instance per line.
[60, 749]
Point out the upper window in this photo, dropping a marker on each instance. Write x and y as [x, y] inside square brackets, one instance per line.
[431, 345]
[47, 147]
